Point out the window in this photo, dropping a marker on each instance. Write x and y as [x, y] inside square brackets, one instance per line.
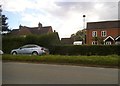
[108, 43]
[94, 43]
[103, 33]
[94, 34]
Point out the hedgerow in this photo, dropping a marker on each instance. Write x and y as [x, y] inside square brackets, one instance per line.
[86, 50]
[52, 42]
[12, 42]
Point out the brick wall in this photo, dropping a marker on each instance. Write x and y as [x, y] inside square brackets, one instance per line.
[114, 32]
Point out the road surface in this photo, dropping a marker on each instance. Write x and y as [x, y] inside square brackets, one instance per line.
[31, 73]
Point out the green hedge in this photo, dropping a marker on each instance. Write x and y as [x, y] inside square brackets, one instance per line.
[52, 42]
[86, 50]
[12, 42]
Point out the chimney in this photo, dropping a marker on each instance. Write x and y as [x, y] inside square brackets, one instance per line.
[39, 25]
[20, 26]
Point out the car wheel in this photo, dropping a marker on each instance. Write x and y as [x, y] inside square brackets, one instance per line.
[34, 53]
[14, 53]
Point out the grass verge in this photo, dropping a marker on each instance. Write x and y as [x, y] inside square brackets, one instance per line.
[101, 61]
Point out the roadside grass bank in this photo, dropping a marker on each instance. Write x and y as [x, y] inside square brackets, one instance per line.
[97, 61]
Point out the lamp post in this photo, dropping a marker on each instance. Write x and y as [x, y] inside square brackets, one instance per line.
[84, 21]
[84, 28]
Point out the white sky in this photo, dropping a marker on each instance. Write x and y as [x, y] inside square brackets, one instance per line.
[65, 17]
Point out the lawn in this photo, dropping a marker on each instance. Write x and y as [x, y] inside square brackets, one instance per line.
[99, 61]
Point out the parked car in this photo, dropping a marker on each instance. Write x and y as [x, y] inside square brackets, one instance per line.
[30, 49]
[1, 52]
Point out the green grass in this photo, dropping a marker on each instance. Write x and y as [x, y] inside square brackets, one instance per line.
[103, 61]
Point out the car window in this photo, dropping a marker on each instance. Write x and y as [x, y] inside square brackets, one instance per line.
[32, 46]
[24, 46]
[29, 46]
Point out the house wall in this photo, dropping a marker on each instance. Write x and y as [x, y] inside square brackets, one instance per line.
[114, 32]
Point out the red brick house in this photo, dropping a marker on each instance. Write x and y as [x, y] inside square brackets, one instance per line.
[104, 32]
[24, 30]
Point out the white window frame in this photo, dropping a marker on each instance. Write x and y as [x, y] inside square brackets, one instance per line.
[94, 33]
[94, 43]
[103, 33]
[108, 43]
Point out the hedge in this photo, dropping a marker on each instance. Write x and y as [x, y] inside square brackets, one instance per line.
[52, 42]
[12, 42]
[86, 50]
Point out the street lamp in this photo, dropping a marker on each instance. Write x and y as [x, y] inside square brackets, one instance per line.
[84, 21]
[84, 28]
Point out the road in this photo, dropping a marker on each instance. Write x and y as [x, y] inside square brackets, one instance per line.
[31, 73]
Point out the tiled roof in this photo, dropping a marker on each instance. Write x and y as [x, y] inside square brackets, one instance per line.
[103, 24]
[15, 31]
[67, 40]
[32, 30]
[42, 30]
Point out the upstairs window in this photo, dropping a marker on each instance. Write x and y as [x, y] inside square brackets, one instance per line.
[94, 33]
[103, 33]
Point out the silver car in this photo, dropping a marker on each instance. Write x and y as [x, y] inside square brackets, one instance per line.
[1, 52]
[30, 49]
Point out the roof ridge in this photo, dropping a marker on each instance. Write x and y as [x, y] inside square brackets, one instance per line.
[105, 21]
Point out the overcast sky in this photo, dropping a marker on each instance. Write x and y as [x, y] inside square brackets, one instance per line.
[65, 16]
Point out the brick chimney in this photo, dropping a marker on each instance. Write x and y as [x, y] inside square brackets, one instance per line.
[20, 26]
[39, 25]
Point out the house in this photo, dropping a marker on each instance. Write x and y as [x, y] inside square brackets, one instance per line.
[24, 30]
[67, 41]
[104, 32]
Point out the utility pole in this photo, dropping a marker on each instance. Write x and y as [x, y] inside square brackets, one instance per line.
[0, 19]
[0, 28]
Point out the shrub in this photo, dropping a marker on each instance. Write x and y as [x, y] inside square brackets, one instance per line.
[52, 42]
[46, 40]
[86, 50]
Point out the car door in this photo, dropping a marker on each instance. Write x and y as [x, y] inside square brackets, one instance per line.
[22, 50]
[28, 49]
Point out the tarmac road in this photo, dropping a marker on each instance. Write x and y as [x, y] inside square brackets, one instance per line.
[31, 73]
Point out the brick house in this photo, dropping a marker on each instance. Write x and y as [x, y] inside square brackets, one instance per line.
[24, 30]
[104, 32]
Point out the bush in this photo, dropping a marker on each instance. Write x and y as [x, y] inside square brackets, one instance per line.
[47, 40]
[10, 43]
[86, 50]
[52, 42]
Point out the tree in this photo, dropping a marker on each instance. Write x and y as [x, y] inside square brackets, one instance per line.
[79, 35]
[98, 39]
[4, 24]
